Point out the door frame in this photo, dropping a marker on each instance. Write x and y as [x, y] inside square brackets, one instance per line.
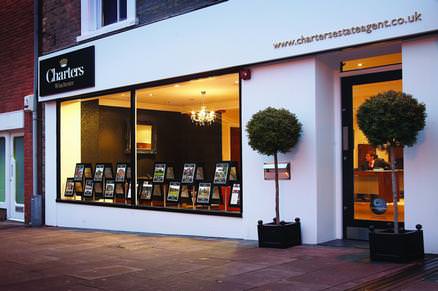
[9, 203]
[15, 215]
[5, 204]
[350, 225]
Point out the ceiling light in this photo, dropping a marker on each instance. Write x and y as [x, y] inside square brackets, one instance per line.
[203, 116]
[359, 64]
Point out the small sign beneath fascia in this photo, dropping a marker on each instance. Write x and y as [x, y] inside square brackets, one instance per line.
[283, 171]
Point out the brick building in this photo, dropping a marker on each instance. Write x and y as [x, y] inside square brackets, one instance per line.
[144, 105]
[17, 75]
[55, 34]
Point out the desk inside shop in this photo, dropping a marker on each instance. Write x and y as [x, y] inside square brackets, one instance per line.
[377, 184]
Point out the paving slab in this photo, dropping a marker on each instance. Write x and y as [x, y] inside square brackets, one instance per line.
[49, 258]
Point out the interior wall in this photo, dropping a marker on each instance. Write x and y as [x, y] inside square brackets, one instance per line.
[420, 62]
[230, 118]
[70, 138]
[178, 140]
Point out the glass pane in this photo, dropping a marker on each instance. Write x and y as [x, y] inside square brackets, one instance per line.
[109, 11]
[2, 169]
[372, 175]
[181, 153]
[19, 169]
[95, 151]
[378, 61]
[123, 9]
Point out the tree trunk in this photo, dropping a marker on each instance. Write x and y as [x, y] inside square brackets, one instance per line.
[277, 191]
[394, 188]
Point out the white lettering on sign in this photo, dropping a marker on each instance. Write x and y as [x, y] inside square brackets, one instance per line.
[55, 76]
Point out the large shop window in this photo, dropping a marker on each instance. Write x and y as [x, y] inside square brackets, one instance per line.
[182, 153]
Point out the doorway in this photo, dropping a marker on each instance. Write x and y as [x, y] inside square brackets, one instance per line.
[12, 175]
[367, 195]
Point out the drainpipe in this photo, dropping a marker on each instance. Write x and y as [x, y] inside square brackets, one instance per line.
[36, 204]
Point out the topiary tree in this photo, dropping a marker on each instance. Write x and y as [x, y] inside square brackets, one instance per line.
[271, 131]
[392, 119]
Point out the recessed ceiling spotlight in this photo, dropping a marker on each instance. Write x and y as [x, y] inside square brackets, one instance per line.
[176, 86]
[150, 94]
[359, 64]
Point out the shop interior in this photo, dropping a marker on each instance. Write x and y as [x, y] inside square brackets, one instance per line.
[184, 127]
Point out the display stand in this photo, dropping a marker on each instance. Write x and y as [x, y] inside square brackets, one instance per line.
[234, 197]
[82, 171]
[173, 193]
[88, 189]
[109, 189]
[203, 194]
[121, 182]
[225, 173]
[192, 174]
[158, 182]
[102, 172]
[69, 190]
[144, 190]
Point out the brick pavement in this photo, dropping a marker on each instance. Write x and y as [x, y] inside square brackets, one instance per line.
[67, 259]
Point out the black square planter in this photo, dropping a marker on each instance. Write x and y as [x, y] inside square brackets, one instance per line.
[385, 245]
[281, 236]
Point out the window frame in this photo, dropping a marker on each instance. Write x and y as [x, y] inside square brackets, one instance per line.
[133, 114]
[91, 19]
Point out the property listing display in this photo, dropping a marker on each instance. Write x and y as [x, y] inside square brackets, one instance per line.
[163, 188]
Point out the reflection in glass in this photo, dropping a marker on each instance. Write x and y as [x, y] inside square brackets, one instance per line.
[372, 175]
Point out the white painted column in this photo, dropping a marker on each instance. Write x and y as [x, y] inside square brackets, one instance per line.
[420, 63]
[325, 152]
[288, 85]
[50, 163]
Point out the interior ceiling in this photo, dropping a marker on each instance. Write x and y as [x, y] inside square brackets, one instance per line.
[334, 58]
[219, 89]
[376, 61]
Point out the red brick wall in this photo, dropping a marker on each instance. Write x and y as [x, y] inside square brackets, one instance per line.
[61, 19]
[60, 24]
[16, 73]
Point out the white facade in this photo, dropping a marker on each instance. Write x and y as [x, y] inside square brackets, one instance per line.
[420, 60]
[308, 85]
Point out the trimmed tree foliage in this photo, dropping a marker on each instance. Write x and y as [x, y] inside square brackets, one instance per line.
[392, 119]
[271, 131]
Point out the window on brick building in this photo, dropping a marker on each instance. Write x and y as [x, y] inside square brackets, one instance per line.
[103, 16]
[113, 11]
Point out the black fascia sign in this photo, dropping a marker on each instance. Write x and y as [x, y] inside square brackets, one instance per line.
[67, 72]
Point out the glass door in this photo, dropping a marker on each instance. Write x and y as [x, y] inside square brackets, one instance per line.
[3, 172]
[367, 190]
[17, 178]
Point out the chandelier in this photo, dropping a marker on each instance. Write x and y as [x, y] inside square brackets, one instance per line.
[203, 116]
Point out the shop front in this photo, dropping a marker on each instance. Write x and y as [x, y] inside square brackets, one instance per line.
[145, 129]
